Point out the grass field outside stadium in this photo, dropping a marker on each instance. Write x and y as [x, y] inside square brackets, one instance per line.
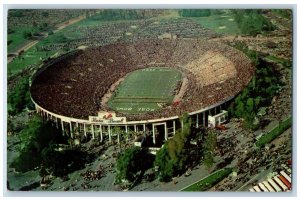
[146, 90]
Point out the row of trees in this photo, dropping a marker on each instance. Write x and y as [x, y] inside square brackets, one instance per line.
[173, 158]
[251, 21]
[195, 12]
[119, 14]
[28, 34]
[39, 142]
[259, 92]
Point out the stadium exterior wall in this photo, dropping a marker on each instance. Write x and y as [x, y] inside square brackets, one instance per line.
[74, 127]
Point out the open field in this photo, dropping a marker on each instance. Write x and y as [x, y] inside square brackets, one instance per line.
[31, 57]
[34, 56]
[223, 24]
[145, 90]
[16, 38]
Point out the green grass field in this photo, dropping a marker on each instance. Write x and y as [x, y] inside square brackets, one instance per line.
[275, 132]
[209, 181]
[34, 57]
[17, 39]
[223, 24]
[30, 57]
[145, 90]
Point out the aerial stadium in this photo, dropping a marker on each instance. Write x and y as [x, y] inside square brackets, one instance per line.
[143, 86]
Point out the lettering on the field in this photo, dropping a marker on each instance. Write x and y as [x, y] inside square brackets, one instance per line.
[124, 108]
[164, 69]
[142, 109]
[157, 69]
[149, 69]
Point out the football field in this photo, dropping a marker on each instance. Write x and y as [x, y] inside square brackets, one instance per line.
[145, 90]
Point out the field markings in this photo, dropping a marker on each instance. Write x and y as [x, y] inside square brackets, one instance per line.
[146, 90]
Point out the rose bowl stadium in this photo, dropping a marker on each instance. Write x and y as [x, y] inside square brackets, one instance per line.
[142, 87]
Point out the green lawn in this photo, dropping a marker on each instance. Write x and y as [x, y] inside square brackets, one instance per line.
[145, 90]
[32, 56]
[223, 24]
[28, 58]
[209, 181]
[71, 32]
[17, 37]
[275, 132]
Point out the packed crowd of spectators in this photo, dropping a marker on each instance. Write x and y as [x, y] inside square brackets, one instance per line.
[130, 31]
[182, 28]
[74, 86]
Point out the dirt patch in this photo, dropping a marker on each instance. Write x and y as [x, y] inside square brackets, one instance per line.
[182, 90]
[109, 93]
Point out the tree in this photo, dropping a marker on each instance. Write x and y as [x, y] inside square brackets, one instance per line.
[250, 105]
[252, 21]
[195, 12]
[210, 145]
[45, 14]
[133, 161]
[165, 164]
[239, 109]
[118, 14]
[172, 158]
[36, 136]
[258, 93]
[19, 96]
[10, 30]
[27, 34]
[43, 27]
[16, 13]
